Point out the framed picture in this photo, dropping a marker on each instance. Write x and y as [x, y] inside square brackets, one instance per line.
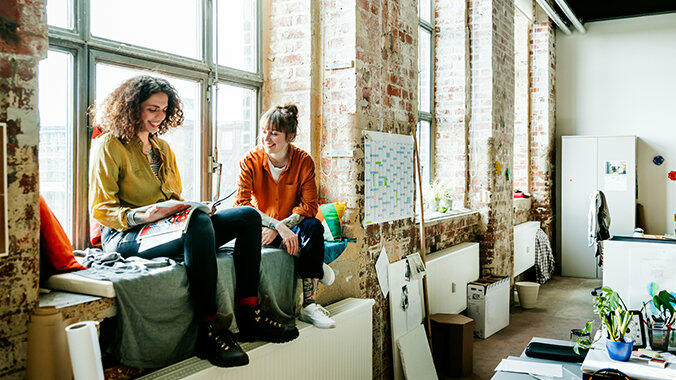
[637, 329]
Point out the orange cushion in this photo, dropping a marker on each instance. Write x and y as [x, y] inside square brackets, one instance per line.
[55, 247]
[94, 225]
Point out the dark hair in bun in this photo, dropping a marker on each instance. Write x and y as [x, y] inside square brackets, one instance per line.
[282, 119]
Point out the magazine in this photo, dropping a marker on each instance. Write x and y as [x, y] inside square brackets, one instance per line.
[173, 226]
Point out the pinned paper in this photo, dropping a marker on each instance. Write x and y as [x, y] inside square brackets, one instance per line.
[382, 265]
[416, 267]
[414, 315]
[615, 178]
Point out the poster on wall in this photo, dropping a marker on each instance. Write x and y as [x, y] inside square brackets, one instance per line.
[388, 177]
[615, 177]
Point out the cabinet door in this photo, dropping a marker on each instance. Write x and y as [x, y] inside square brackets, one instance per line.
[578, 181]
[617, 180]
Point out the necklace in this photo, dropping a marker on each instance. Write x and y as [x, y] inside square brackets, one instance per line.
[277, 164]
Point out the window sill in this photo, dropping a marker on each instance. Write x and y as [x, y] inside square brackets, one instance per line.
[434, 217]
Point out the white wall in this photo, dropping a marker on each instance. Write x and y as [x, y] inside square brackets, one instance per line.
[620, 79]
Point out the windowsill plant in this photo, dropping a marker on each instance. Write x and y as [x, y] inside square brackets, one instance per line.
[660, 317]
[614, 318]
[442, 196]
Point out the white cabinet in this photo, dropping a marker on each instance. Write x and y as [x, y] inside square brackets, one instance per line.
[524, 246]
[590, 163]
[448, 273]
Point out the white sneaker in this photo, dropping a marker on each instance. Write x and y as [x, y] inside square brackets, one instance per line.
[329, 275]
[317, 315]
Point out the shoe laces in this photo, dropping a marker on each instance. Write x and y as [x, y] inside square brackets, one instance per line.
[223, 339]
[321, 309]
[262, 318]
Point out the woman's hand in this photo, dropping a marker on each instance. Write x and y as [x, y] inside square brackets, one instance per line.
[155, 212]
[268, 235]
[289, 238]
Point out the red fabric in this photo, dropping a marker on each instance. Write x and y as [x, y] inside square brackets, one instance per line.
[249, 301]
[54, 243]
[94, 225]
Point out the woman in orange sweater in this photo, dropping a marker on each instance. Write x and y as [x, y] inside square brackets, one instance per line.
[278, 179]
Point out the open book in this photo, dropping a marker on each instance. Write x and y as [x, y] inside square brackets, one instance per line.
[171, 227]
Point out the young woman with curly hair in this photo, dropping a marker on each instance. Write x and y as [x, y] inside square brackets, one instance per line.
[131, 168]
[279, 180]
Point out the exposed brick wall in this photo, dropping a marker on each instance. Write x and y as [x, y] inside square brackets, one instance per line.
[521, 101]
[451, 96]
[19, 56]
[289, 57]
[542, 144]
[491, 132]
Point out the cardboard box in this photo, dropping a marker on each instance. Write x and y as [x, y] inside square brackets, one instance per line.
[452, 340]
[488, 305]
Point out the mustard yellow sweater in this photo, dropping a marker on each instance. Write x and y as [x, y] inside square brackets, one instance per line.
[120, 178]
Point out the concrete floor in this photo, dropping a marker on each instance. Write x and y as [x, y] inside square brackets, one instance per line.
[564, 303]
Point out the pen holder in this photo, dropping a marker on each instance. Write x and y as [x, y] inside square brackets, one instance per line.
[659, 338]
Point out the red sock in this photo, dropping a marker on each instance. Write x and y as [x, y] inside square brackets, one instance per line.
[249, 301]
[210, 318]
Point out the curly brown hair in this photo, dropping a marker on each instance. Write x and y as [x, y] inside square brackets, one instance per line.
[120, 112]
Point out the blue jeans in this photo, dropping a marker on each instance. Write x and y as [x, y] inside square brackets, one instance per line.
[198, 245]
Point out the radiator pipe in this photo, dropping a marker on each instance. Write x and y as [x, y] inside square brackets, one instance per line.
[571, 16]
[554, 16]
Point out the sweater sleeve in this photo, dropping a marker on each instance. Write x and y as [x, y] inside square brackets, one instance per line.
[103, 189]
[308, 190]
[244, 183]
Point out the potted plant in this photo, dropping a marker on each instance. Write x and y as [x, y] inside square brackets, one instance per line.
[441, 194]
[660, 319]
[614, 318]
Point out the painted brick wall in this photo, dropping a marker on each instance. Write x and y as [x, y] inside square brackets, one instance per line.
[542, 113]
[521, 101]
[451, 100]
[491, 132]
[19, 56]
[288, 60]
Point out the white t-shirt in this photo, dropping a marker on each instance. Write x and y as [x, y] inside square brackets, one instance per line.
[275, 171]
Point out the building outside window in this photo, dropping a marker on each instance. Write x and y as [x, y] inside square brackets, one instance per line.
[207, 49]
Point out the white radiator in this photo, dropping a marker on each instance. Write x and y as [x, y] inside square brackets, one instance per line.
[524, 246]
[344, 352]
[448, 273]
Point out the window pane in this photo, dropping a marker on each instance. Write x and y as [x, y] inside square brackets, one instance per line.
[425, 10]
[237, 34]
[424, 70]
[172, 26]
[423, 134]
[236, 132]
[183, 140]
[60, 13]
[55, 151]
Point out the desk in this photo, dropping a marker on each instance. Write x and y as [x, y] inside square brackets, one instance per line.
[597, 358]
[571, 371]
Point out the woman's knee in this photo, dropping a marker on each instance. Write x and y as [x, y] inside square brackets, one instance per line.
[314, 226]
[250, 215]
[200, 223]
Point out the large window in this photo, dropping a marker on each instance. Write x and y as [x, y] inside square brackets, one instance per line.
[425, 87]
[208, 50]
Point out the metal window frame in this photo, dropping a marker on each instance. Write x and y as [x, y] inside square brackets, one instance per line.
[88, 50]
[423, 115]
